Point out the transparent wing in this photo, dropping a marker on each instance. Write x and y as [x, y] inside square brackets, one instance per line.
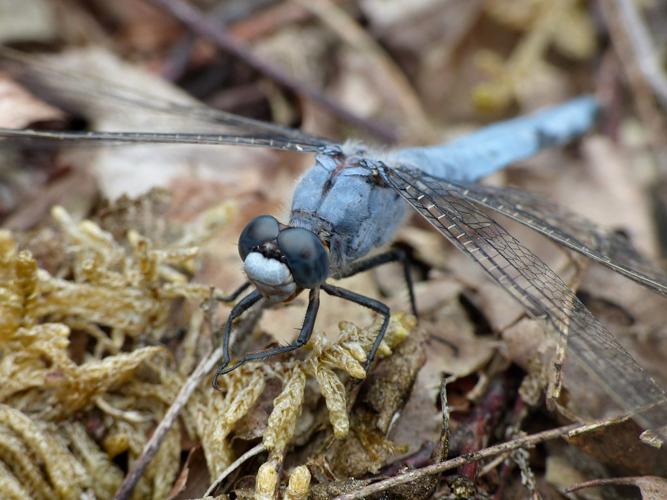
[572, 230]
[87, 93]
[544, 295]
[78, 139]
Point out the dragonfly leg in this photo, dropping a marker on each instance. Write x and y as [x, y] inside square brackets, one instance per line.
[396, 254]
[243, 305]
[234, 295]
[304, 336]
[372, 304]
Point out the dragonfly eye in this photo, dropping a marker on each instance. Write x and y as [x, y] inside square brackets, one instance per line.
[259, 230]
[305, 255]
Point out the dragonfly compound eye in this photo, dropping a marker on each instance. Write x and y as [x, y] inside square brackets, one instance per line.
[259, 230]
[306, 257]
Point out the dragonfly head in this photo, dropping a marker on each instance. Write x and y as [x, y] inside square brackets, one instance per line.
[281, 260]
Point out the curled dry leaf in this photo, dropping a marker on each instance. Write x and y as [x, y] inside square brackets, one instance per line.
[347, 354]
[390, 385]
[366, 448]
[620, 447]
[650, 487]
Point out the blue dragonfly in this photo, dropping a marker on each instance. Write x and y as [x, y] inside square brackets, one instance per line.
[354, 198]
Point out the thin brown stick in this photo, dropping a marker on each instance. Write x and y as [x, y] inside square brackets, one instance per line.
[472, 457]
[153, 445]
[199, 24]
[637, 481]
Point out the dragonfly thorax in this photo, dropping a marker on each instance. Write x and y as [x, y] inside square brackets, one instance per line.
[281, 260]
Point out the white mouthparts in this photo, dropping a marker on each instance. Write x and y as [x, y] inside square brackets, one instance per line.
[271, 277]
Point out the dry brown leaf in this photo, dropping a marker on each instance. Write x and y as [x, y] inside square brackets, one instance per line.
[19, 109]
[116, 168]
[619, 446]
[30, 21]
[651, 487]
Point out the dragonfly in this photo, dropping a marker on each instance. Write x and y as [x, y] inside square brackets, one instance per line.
[353, 199]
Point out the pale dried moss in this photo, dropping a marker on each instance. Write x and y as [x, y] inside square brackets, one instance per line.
[298, 485]
[119, 295]
[286, 410]
[346, 354]
[267, 480]
[214, 417]
[325, 363]
[10, 486]
[34, 442]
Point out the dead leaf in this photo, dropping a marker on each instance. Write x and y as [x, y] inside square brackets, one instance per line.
[28, 21]
[619, 446]
[19, 109]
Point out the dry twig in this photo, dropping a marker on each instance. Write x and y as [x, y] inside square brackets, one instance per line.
[354, 35]
[198, 23]
[491, 451]
[642, 91]
[644, 49]
[255, 450]
[153, 444]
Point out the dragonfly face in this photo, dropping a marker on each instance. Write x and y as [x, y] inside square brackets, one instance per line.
[281, 260]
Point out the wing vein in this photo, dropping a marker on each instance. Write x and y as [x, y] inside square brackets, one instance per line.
[541, 291]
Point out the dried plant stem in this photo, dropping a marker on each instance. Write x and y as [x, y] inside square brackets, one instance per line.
[200, 24]
[626, 481]
[644, 48]
[642, 89]
[444, 430]
[256, 450]
[153, 445]
[337, 19]
[473, 457]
